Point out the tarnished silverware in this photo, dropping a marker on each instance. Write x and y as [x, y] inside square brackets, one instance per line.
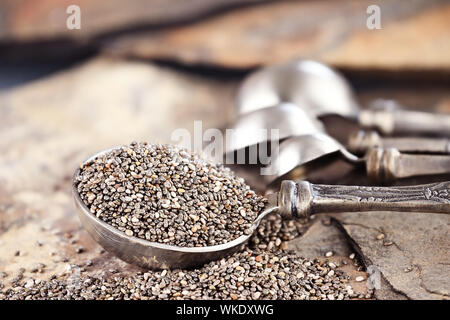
[322, 91]
[361, 141]
[303, 199]
[300, 151]
[382, 165]
[255, 127]
[294, 200]
[309, 84]
[306, 141]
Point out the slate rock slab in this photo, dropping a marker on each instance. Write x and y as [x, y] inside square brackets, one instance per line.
[415, 35]
[325, 235]
[320, 238]
[413, 256]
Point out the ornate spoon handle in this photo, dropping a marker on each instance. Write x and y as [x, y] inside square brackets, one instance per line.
[300, 200]
[386, 165]
[361, 141]
[403, 121]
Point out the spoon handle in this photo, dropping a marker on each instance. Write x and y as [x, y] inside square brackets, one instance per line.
[404, 121]
[361, 141]
[302, 199]
[386, 165]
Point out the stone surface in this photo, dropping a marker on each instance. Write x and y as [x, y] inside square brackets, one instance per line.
[238, 34]
[325, 235]
[319, 239]
[417, 263]
[332, 31]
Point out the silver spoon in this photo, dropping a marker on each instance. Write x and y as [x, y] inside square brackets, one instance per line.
[307, 141]
[294, 200]
[298, 151]
[382, 165]
[323, 91]
[361, 141]
[255, 127]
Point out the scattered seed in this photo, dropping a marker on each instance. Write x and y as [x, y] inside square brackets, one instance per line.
[281, 275]
[79, 249]
[29, 284]
[128, 232]
[380, 236]
[408, 269]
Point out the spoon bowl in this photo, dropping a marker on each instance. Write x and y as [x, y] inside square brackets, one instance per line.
[321, 91]
[255, 127]
[298, 151]
[314, 86]
[305, 138]
[153, 255]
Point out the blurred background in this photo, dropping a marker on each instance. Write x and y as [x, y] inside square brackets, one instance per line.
[92, 74]
[137, 70]
[226, 35]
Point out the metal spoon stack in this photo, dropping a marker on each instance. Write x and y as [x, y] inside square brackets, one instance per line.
[393, 142]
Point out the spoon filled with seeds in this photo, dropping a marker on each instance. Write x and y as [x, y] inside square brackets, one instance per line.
[162, 206]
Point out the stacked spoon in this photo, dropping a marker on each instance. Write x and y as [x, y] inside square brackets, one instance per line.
[320, 91]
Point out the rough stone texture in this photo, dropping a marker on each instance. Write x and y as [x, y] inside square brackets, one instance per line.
[332, 31]
[417, 264]
[319, 239]
[324, 235]
[236, 33]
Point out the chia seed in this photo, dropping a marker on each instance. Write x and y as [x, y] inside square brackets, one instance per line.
[166, 194]
[250, 274]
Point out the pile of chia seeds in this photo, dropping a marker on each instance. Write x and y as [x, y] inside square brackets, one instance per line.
[166, 194]
[264, 270]
[135, 189]
[250, 275]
